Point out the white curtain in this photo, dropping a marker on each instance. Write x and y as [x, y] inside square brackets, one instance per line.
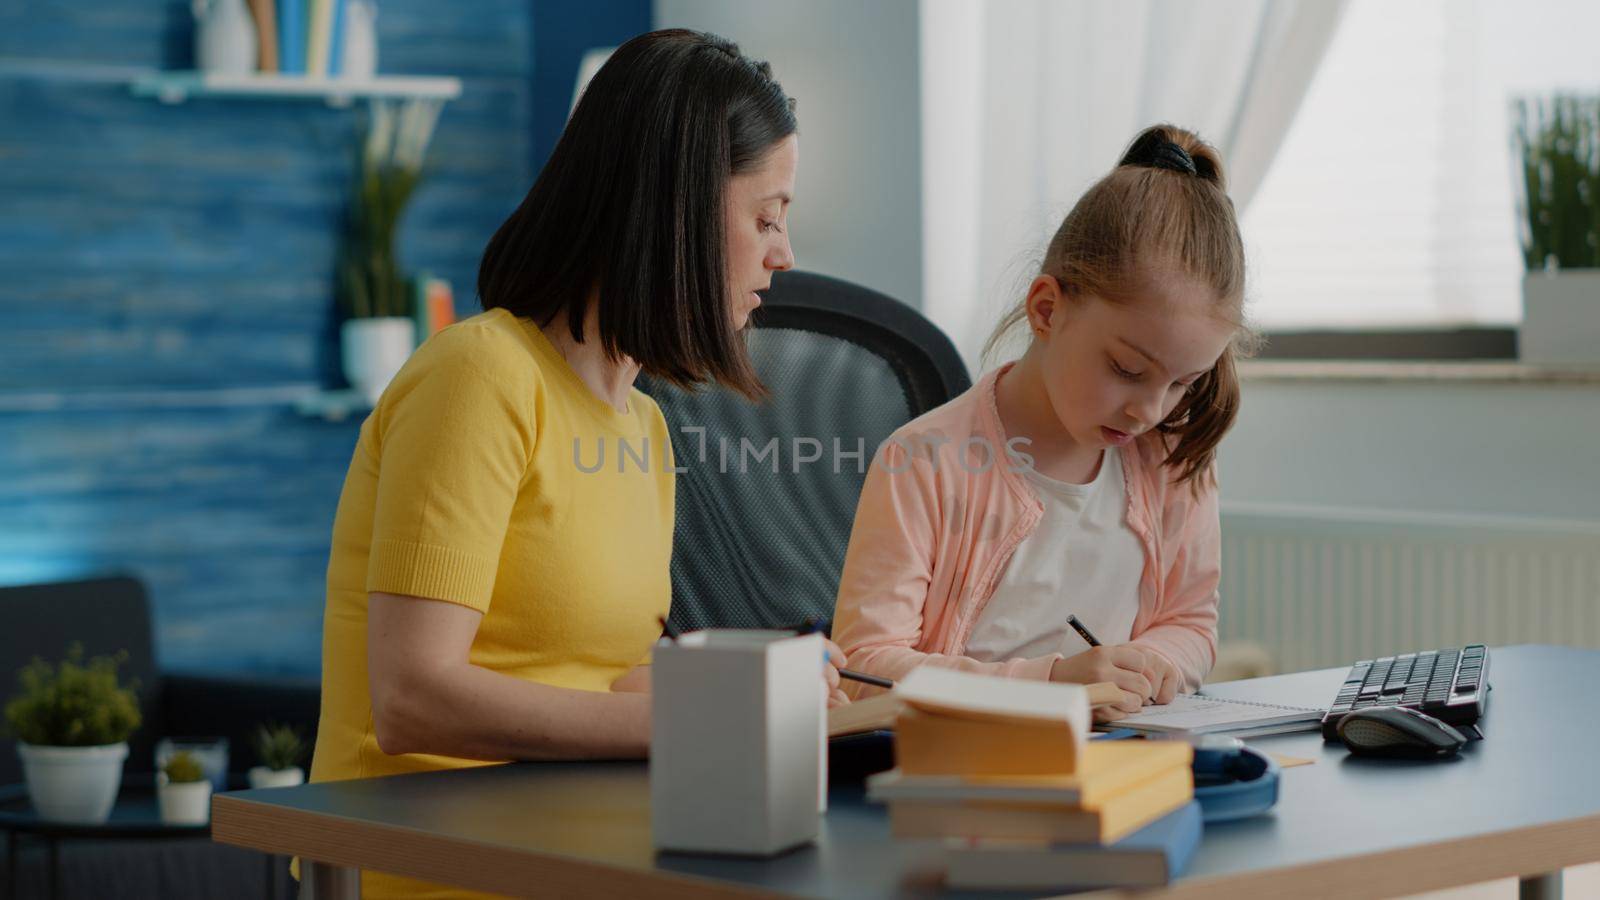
[1026, 103]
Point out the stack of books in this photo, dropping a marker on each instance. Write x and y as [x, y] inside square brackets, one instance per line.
[299, 37]
[1003, 771]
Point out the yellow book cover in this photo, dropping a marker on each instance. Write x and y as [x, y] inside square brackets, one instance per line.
[965, 723]
[932, 744]
[874, 713]
[1117, 817]
[319, 36]
[1109, 769]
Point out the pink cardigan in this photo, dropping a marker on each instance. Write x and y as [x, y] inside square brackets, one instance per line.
[933, 534]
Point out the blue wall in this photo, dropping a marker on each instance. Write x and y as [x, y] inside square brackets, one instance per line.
[165, 289]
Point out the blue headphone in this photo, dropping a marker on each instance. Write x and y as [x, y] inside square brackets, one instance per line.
[1232, 781]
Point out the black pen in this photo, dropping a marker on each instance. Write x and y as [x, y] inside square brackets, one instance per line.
[1082, 631]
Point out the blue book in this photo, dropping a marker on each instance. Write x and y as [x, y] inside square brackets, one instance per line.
[292, 37]
[336, 41]
[1150, 857]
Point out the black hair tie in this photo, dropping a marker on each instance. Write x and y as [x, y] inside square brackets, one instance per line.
[1170, 156]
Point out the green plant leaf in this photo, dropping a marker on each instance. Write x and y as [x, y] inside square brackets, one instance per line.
[73, 704]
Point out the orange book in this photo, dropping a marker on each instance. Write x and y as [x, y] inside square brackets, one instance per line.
[932, 744]
[1108, 770]
[1116, 817]
[265, 13]
[441, 305]
[963, 723]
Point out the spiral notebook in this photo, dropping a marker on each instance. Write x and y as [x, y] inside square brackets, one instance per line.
[1195, 714]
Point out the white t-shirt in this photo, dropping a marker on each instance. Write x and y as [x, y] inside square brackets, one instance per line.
[1082, 559]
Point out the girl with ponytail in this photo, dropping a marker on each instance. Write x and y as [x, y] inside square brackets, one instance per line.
[1079, 479]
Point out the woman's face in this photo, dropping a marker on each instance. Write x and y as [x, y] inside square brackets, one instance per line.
[758, 226]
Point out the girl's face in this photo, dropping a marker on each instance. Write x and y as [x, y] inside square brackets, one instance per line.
[1114, 371]
[758, 227]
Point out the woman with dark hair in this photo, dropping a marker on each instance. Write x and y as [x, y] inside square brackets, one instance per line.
[489, 597]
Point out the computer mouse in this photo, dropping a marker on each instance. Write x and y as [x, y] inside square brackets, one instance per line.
[1398, 732]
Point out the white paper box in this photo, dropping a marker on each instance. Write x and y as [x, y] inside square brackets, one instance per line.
[735, 727]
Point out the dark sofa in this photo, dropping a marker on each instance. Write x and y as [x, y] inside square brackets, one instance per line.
[111, 614]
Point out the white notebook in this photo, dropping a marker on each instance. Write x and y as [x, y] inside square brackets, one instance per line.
[1194, 714]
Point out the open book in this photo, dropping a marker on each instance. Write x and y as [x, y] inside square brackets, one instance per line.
[1196, 714]
[878, 712]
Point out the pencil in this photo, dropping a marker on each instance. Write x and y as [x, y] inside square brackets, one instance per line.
[864, 678]
[1082, 631]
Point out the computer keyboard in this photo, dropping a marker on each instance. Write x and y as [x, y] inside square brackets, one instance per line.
[1450, 685]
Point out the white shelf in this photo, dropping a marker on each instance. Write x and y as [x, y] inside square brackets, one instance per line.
[334, 406]
[176, 87]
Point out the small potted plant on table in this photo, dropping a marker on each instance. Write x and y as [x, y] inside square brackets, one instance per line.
[72, 723]
[280, 750]
[183, 792]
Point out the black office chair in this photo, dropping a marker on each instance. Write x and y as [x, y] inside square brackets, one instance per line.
[756, 548]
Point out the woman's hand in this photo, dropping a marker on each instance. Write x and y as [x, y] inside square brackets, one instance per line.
[1122, 665]
[830, 672]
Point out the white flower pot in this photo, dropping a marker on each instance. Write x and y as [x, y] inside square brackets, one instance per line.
[374, 350]
[225, 37]
[1560, 318]
[73, 784]
[360, 60]
[183, 803]
[263, 777]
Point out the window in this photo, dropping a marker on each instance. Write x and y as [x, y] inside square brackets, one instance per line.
[1391, 204]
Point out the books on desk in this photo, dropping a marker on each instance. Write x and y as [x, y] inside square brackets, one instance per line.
[879, 711]
[961, 723]
[1150, 857]
[1109, 769]
[1134, 783]
[992, 764]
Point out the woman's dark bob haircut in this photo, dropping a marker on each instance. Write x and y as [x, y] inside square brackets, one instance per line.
[631, 204]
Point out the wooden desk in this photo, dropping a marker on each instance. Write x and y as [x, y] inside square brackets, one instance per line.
[1525, 802]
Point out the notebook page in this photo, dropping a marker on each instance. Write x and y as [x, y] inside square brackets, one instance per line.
[1189, 712]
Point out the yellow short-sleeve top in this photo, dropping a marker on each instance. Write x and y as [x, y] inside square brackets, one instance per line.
[489, 475]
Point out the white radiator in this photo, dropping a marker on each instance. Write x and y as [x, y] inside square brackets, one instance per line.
[1324, 587]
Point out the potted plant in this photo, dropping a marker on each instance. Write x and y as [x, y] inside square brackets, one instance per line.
[375, 295]
[280, 750]
[72, 723]
[183, 792]
[1558, 142]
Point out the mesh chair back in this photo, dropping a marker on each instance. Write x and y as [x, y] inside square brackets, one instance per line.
[768, 497]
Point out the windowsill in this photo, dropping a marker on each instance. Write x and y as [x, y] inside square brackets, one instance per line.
[1386, 371]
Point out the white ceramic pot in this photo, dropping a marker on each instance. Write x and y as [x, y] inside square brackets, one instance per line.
[359, 55]
[224, 37]
[185, 802]
[263, 777]
[1560, 318]
[73, 784]
[374, 350]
